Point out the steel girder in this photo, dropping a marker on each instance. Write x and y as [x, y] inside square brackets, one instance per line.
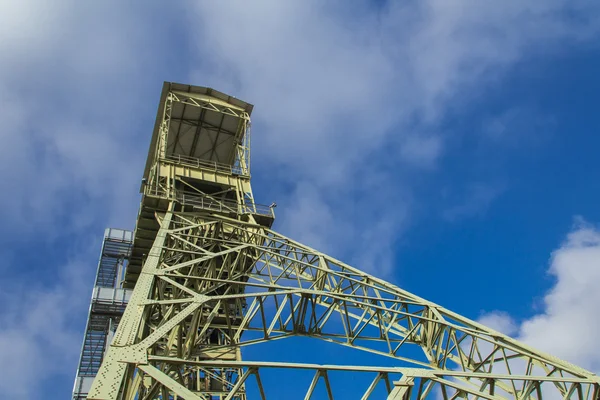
[212, 285]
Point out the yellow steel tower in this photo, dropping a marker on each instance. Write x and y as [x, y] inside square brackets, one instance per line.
[210, 277]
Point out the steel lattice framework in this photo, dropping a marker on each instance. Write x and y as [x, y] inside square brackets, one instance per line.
[215, 281]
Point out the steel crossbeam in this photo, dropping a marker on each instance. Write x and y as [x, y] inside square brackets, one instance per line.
[242, 284]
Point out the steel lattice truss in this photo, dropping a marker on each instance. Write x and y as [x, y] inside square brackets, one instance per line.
[211, 286]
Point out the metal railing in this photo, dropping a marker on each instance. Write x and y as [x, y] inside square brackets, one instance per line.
[208, 203]
[205, 164]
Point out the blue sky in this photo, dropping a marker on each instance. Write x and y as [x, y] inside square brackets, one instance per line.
[448, 146]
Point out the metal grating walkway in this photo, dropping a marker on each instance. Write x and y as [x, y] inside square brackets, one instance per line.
[107, 306]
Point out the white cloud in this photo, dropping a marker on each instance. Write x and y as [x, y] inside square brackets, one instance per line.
[72, 85]
[74, 80]
[518, 127]
[422, 151]
[569, 325]
[499, 321]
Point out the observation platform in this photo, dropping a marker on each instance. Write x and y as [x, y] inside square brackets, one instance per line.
[199, 157]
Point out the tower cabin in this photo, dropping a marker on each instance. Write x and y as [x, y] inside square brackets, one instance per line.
[199, 160]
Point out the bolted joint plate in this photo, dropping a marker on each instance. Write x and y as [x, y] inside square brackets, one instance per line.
[129, 354]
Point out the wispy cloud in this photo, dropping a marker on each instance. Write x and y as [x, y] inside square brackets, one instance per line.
[72, 84]
[41, 327]
[475, 201]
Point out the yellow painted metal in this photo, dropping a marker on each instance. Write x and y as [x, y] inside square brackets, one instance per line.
[216, 278]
